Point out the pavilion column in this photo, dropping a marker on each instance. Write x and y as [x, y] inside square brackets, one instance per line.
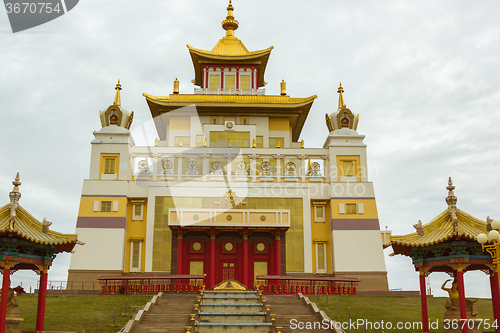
[495, 298]
[245, 257]
[423, 301]
[461, 295]
[211, 277]
[5, 295]
[179, 251]
[278, 251]
[42, 298]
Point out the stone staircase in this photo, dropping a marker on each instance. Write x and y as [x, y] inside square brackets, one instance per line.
[170, 314]
[231, 311]
[292, 309]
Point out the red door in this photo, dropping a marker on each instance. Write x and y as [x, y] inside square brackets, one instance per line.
[228, 271]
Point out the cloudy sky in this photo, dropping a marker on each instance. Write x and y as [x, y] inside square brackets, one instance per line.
[423, 75]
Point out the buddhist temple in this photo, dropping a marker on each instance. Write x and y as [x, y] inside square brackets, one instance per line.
[229, 190]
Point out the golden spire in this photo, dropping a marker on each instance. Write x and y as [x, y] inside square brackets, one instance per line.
[176, 86]
[341, 98]
[117, 97]
[283, 88]
[230, 24]
[14, 196]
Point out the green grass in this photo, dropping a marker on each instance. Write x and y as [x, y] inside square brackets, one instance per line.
[79, 313]
[393, 309]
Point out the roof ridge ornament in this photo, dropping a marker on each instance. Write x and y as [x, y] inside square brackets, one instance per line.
[341, 97]
[451, 200]
[419, 228]
[14, 196]
[230, 24]
[117, 100]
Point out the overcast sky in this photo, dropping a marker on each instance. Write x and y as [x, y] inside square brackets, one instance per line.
[423, 75]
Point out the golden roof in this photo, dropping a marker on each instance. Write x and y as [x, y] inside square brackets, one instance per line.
[28, 227]
[253, 99]
[295, 109]
[229, 50]
[441, 229]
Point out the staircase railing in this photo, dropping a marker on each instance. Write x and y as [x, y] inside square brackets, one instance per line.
[271, 284]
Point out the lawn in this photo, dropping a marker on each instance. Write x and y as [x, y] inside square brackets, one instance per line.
[81, 313]
[392, 309]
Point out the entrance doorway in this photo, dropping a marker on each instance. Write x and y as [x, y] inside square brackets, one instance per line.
[228, 271]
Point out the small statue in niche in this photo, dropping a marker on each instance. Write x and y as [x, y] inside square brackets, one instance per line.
[453, 303]
[113, 120]
[345, 121]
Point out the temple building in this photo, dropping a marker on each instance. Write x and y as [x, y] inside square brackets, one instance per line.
[229, 189]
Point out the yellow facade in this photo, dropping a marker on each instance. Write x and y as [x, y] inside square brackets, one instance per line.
[279, 124]
[183, 123]
[342, 170]
[320, 231]
[369, 206]
[87, 206]
[136, 231]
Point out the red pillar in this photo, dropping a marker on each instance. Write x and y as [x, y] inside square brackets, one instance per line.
[211, 277]
[179, 251]
[278, 251]
[495, 298]
[42, 297]
[237, 78]
[5, 295]
[461, 295]
[423, 301]
[245, 256]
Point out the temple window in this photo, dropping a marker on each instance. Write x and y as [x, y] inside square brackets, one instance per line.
[244, 121]
[350, 208]
[214, 81]
[214, 120]
[109, 165]
[229, 82]
[196, 268]
[135, 255]
[238, 139]
[320, 258]
[259, 141]
[105, 206]
[319, 213]
[348, 168]
[245, 82]
[137, 212]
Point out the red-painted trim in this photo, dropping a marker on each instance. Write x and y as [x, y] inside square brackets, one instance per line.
[355, 224]
[222, 78]
[179, 251]
[237, 78]
[211, 275]
[245, 257]
[423, 302]
[273, 277]
[42, 297]
[495, 298]
[277, 248]
[5, 295]
[104, 195]
[461, 295]
[101, 222]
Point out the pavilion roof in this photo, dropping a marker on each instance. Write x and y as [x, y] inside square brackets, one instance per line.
[452, 224]
[442, 229]
[17, 222]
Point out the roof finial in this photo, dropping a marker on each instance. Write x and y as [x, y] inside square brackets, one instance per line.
[15, 195]
[341, 98]
[117, 97]
[230, 24]
[451, 200]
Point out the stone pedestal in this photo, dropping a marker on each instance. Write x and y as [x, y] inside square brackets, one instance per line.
[12, 320]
